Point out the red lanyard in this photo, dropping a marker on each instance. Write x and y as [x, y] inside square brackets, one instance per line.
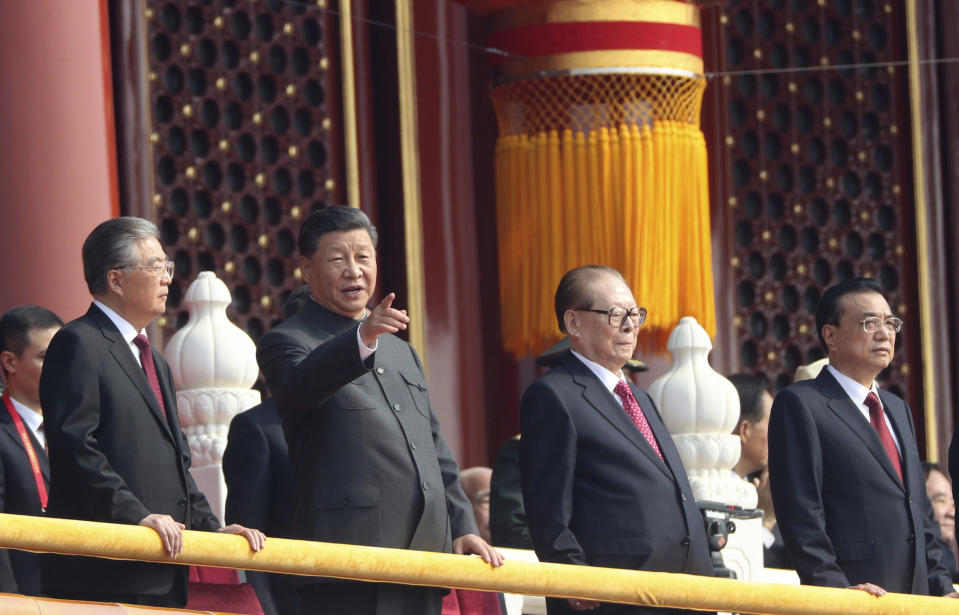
[31, 454]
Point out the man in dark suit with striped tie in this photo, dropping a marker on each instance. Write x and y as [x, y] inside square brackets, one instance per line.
[25, 333]
[602, 481]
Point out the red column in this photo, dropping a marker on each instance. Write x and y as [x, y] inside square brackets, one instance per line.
[57, 148]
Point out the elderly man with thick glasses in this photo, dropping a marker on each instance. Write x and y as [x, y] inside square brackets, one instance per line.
[844, 466]
[602, 481]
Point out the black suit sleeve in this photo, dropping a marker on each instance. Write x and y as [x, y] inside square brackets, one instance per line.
[71, 413]
[246, 468]
[796, 480]
[507, 517]
[547, 470]
[8, 583]
[301, 378]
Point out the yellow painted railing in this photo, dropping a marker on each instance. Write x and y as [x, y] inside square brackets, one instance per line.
[445, 570]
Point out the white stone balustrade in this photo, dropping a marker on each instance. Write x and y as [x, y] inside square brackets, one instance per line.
[214, 365]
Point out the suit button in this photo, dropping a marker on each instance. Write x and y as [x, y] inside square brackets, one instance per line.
[181, 503]
[426, 486]
[685, 541]
[412, 445]
[911, 539]
[683, 495]
[396, 407]
[346, 501]
[379, 370]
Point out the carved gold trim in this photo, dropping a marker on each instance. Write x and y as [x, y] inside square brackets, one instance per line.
[409, 148]
[922, 236]
[663, 11]
[681, 63]
[352, 164]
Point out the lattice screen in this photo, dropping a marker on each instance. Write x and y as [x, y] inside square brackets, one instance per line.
[245, 142]
[819, 186]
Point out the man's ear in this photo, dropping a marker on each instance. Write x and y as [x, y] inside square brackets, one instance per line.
[9, 361]
[829, 335]
[115, 281]
[306, 269]
[571, 322]
[740, 430]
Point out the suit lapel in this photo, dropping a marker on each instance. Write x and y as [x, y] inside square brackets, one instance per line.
[11, 430]
[602, 401]
[123, 355]
[847, 411]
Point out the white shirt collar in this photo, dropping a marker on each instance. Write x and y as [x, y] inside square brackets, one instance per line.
[856, 392]
[608, 378]
[125, 328]
[32, 419]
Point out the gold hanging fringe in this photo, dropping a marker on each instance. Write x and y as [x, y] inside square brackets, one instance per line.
[605, 169]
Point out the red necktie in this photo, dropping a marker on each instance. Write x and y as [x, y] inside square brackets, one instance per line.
[146, 361]
[631, 406]
[878, 421]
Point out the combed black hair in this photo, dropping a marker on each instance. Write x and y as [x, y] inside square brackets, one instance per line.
[750, 388]
[328, 220]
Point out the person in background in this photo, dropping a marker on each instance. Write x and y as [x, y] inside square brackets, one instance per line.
[476, 485]
[752, 429]
[939, 490]
[25, 333]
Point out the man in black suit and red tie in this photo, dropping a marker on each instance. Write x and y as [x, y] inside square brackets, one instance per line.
[844, 467]
[25, 333]
[603, 483]
[117, 453]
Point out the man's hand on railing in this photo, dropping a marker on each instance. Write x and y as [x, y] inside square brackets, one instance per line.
[870, 588]
[471, 543]
[582, 605]
[256, 538]
[170, 531]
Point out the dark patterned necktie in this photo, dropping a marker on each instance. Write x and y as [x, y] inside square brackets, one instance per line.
[631, 406]
[146, 361]
[879, 424]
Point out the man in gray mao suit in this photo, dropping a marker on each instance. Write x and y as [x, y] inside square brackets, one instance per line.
[369, 465]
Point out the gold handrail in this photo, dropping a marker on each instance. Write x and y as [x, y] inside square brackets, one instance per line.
[445, 570]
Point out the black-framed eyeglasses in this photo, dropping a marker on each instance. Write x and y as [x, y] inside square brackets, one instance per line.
[893, 324]
[159, 269]
[617, 316]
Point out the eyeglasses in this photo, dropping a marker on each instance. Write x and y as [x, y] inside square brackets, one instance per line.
[617, 316]
[161, 268]
[870, 325]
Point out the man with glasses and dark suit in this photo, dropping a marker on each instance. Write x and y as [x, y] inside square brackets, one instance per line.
[117, 453]
[602, 481]
[844, 468]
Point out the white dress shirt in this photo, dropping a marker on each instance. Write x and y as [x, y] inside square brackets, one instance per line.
[33, 421]
[608, 378]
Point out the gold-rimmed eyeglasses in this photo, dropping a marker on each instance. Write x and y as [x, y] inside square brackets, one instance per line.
[617, 316]
[893, 324]
[159, 270]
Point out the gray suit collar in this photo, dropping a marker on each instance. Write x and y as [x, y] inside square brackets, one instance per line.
[840, 403]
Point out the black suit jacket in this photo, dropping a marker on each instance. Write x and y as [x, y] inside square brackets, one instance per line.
[114, 457]
[507, 517]
[844, 514]
[369, 464]
[595, 491]
[259, 483]
[19, 570]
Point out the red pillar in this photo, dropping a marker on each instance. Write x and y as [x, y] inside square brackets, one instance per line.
[57, 148]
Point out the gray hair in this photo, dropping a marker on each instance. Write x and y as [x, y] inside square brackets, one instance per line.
[113, 244]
